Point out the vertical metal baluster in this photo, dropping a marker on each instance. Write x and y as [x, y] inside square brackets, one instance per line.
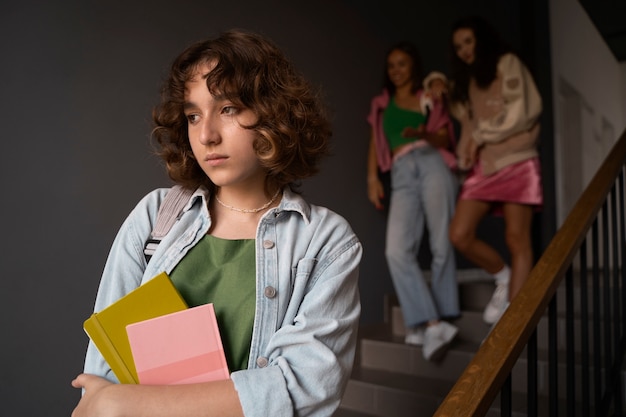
[617, 359]
[570, 371]
[505, 398]
[606, 302]
[584, 331]
[553, 365]
[597, 358]
[532, 400]
[623, 252]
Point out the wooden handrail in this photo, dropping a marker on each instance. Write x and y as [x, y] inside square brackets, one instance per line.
[477, 387]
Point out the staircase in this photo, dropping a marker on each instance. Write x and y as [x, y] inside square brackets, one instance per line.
[392, 379]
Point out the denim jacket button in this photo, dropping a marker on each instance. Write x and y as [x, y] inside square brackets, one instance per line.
[270, 292]
[261, 362]
[268, 244]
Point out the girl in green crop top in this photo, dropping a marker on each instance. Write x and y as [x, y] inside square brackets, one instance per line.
[423, 192]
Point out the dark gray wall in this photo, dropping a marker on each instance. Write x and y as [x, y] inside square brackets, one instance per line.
[77, 82]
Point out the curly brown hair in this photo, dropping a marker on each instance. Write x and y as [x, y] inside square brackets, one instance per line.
[292, 126]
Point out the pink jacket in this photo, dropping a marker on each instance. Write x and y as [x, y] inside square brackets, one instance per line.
[438, 118]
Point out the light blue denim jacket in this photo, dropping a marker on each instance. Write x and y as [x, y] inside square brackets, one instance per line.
[307, 299]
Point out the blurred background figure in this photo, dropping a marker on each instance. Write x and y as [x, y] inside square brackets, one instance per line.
[495, 99]
[408, 129]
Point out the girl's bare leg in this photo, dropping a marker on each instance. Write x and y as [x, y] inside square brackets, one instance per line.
[518, 220]
[467, 216]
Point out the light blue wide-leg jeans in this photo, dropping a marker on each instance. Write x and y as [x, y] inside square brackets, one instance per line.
[423, 191]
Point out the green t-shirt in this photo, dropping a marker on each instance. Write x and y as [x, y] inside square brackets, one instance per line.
[223, 272]
[395, 120]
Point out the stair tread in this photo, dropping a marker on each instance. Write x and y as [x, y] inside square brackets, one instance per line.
[427, 391]
[382, 333]
[345, 412]
[418, 385]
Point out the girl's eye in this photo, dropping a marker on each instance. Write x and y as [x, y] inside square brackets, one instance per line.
[192, 118]
[230, 110]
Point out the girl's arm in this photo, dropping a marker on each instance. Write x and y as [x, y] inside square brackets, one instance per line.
[437, 139]
[102, 398]
[375, 190]
[467, 148]
[521, 104]
[306, 363]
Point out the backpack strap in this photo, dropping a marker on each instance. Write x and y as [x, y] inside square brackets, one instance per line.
[175, 199]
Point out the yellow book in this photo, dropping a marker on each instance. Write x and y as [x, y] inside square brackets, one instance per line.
[107, 328]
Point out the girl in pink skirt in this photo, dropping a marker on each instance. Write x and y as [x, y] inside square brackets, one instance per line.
[497, 104]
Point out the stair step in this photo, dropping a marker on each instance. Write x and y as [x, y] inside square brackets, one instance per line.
[383, 393]
[381, 350]
[473, 328]
[346, 412]
[471, 325]
[398, 357]
[376, 393]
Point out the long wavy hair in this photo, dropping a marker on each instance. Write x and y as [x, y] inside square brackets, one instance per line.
[416, 66]
[488, 50]
[292, 125]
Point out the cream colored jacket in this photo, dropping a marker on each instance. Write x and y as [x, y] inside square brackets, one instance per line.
[500, 121]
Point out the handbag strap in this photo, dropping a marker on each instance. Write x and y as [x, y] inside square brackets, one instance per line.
[169, 211]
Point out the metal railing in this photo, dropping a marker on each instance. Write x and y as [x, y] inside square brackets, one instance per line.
[584, 362]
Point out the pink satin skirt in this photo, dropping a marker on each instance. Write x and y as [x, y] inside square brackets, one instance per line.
[518, 183]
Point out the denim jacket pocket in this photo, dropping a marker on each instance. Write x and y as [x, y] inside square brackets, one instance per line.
[300, 281]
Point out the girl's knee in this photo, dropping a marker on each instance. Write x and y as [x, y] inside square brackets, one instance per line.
[518, 242]
[459, 238]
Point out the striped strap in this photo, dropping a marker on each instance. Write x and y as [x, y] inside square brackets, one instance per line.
[175, 199]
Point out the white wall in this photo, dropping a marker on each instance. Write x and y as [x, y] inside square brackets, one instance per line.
[587, 75]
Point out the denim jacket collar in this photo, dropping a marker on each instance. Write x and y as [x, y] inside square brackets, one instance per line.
[290, 201]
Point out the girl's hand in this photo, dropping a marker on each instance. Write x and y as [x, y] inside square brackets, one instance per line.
[93, 401]
[438, 88]
[473, 151]
[375, 192]
[413, 132]
[468, 159]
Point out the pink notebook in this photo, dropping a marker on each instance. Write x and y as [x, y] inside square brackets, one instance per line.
[184, 347]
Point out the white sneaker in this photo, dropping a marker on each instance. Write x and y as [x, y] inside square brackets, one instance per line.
[493, 325]
[414, 336]
[497, 304]
[436, 340]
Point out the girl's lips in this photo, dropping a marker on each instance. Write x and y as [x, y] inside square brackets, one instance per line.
[215, 160]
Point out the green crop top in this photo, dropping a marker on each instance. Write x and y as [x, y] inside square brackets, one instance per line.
[395, 120]
[223, 272]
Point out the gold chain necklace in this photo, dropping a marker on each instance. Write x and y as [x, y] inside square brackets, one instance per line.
[240, 210]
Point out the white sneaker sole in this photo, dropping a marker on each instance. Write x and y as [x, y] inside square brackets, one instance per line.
[448, 336]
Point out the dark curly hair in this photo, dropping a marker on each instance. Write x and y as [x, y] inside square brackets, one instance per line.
[488, 50]
[416, 68]
[292, 126]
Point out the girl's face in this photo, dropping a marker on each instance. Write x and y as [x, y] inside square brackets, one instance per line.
[221, 146]
[464, 43]
[399, 68]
